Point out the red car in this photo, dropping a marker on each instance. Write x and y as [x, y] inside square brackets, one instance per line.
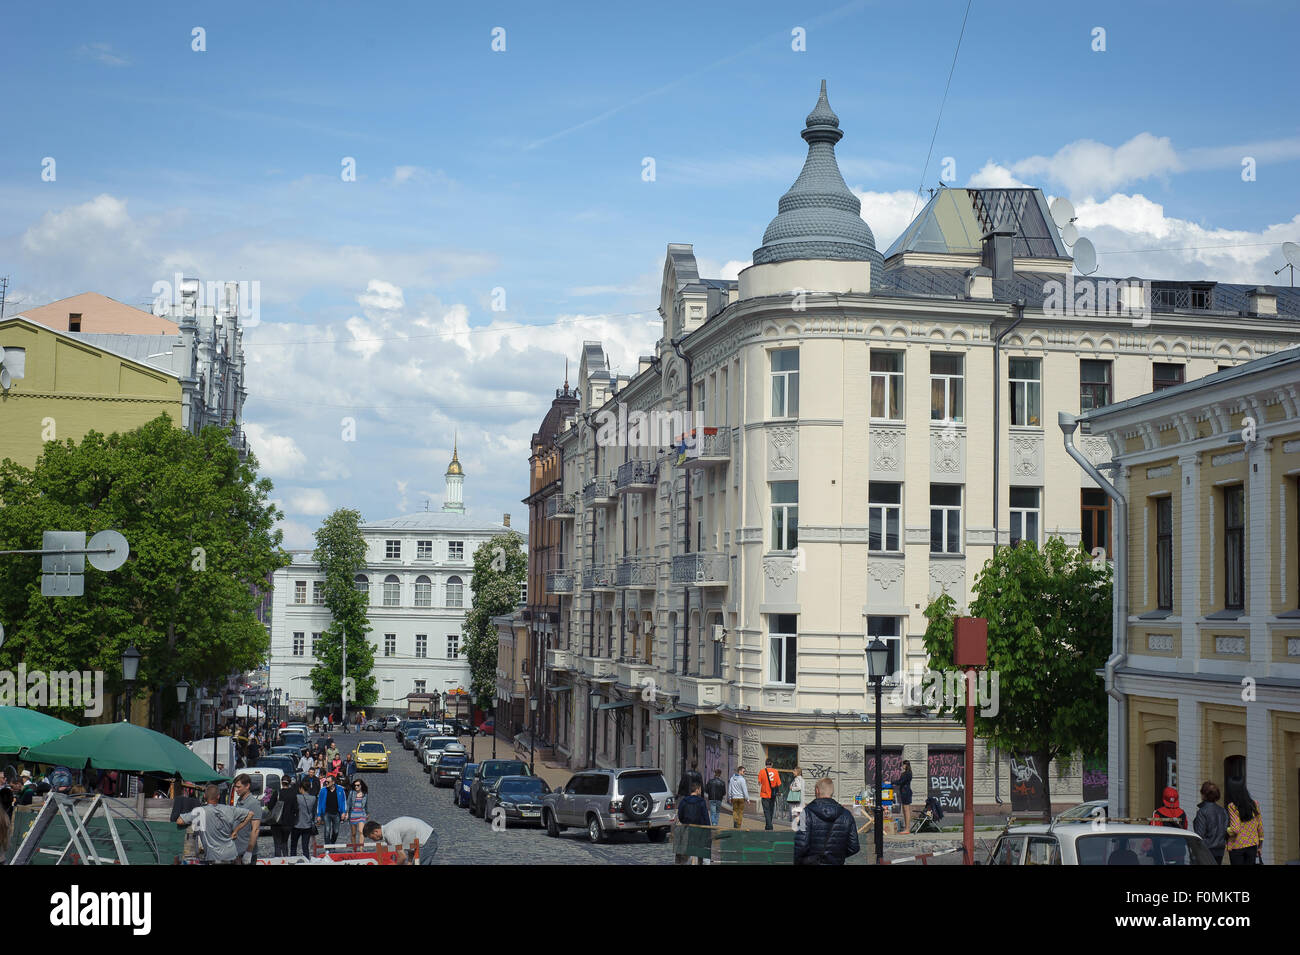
[487, 727]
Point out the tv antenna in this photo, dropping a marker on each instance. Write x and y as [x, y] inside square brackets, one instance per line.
[1291, 252]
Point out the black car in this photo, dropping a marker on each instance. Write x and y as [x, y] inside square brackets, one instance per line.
[286, 764]
[516, 799]
[448, 770]
[488, 772]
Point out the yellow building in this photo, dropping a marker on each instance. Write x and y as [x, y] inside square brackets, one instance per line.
[1204, 680]
[62, 387]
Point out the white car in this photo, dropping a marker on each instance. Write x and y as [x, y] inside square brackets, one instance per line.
[1110, 843]
[431, 746]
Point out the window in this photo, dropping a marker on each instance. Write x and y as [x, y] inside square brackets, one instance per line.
[885, 514]
[453, 646]
[315, 645]
[1096, 521]
[1025, 503]
[886, 629]
[392, 550]
[455, 550]
[74, 321]
[785, 515]
[318, 592]
[362, 583]
[390, 644]
[423, 591]
[946, 380]
[887, 385]
[392, 591]
[523, 591]
[1166, 376]
[783, 641]
[1094, 384]
[785, 383]
[300, 591]
[1026, 392]
[945, 518]
[424, 550]
[419, 686]
[1043, 850]
[421, 644]
[455, 592]
[1234, 551]
[298, 642]
[1165, 553]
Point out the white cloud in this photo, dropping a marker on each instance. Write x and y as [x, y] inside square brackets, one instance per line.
[297, 536]
[381, 296]
[1086, 167]
[993, 176]
[103, 53]
[277, 455]
[888, 213]
[310, 501]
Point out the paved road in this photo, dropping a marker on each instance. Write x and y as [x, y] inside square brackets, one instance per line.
[464, 839]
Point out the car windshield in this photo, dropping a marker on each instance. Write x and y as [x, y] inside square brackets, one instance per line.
[1139, 849]
[452, 759]
[370, 748]
[509, 768]
[651, 782]
[532, 784]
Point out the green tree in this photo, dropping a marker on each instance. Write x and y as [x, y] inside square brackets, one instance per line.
[500, 567]
[341, 554]
[1049, 617]
[203, 547]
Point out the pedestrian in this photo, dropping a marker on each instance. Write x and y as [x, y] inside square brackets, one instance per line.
[311, 782]
[769, 788]
[715, 790]
[304, 764]
[349, 767]
[357, 808]
[336, 768]
[903, 793]
[829, 833]
[252, 752]
[6, 829]
[794, 798]
[243, 798]
[1211, 822]
[331, 752]
[403, 832]
[690, 778]
[738, 793]
[280, 814]
[218, 826]
[304, 822]
[693, 811]
[1245, 831]
[332, 808]
[1169, 813]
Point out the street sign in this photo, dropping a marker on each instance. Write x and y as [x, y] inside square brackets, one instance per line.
[61, 573]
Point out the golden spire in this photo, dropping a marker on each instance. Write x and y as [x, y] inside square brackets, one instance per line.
[454, 467]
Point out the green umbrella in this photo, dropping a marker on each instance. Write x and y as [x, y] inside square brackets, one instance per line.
[126, 747]
[21, 727]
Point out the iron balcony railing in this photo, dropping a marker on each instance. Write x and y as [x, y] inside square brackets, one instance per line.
[636, 473]
[637, 572]
[705, 567]
[559, 582]
[597, 491]
[598, 577]
[559, 506]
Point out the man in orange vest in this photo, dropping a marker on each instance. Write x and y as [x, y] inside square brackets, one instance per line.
[769, 787]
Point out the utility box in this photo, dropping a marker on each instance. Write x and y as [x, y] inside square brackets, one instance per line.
[970, 644]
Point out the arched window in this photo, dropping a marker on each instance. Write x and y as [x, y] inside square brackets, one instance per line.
[392, 591]
[423, 591]
[362, 583]
[455, 592]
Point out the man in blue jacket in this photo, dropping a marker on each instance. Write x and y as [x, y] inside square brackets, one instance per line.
[827, 832]
[331, 806]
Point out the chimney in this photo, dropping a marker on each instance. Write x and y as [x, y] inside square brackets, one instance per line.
[1261, 301]
[979, 283]
[997, 254]
[505, 519]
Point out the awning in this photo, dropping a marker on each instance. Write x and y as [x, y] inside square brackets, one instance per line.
[561, 688]
[675, 715]
[614, 706]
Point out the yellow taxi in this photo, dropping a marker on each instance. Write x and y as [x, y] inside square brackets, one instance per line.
[372, 754]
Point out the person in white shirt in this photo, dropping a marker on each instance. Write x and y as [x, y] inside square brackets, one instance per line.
[403, 831]
[738, 793]
[304, 765]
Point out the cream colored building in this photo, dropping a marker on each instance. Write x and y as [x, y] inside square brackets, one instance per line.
[718, 601]
[1205, 676]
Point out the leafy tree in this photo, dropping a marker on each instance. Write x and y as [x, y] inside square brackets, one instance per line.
[341, 554]
[500, 567]
[1049, 617]
[203, 547]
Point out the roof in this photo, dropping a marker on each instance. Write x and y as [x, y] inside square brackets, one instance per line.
[438, 521]
[99, 314]
[155, 350]
[956, 221]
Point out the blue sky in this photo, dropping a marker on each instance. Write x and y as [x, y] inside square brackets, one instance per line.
[522, 170]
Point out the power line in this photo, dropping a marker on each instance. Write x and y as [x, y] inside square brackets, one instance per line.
[424, 407]
[942, 103]
[1190, 248]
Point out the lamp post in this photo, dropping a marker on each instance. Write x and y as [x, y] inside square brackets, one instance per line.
[877, 665]
[594, 698]
[437, 712]
[130, 670]
[494, 731]
[182, 694]
[532, 733]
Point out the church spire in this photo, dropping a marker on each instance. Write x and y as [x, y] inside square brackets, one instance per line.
[453, 499]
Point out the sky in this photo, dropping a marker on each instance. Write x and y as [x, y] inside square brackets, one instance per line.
[521, 168]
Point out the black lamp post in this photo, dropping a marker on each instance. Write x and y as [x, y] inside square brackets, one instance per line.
[594, 698]
[182, 694]
[437, 711]
[130, 670]
[532, 733]
[877, 664]
[493, 717]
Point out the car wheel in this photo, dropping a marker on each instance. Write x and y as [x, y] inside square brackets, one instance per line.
[658, 835]
[594, 831]
[552, 828]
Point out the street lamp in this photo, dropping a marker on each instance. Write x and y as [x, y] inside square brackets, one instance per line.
[877, 665]
[182, 694]
[594, 698]
[130, 670]
[532, 733]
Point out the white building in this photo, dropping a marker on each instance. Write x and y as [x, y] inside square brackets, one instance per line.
[418, 574]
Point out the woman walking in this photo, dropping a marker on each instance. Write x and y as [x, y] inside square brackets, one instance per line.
[794, 798]
[282, 808]
[904, 786]
[304, 825]
[1211, 822]
[357, 808]
[1245, 832]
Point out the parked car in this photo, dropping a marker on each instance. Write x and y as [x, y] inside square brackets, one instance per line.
[290, 738]
[410, 734]
[372, 725]
[287, 765]
[293, 752]
[430, 745]
[1111, 844]
[1085, 812]
[405, 726]
[488, 772]
[607, 801]
[449, 768]
[390, 723]
[372, 754]
[518, 797]
[460, 789]
[487, 727]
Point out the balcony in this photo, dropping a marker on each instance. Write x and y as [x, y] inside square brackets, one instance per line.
[705, 569]
[560, 507]
[636, 476]
[560, 660]
[700, 693]
[596, 668]
[634, 674]
[559, 582]
[598, 577]
[712, 448]
[598, 492]
[639, 573]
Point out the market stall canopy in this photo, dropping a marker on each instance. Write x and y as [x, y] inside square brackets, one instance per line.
[123, 746]
[244, 711]
[21, 727]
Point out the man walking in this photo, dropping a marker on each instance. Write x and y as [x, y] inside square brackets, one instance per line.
[244, 799]
[769, 787]
[715, 790]
[218, 826]
[828, 833]
[311, 783]
[738, 793]
[331, 807]
[404, 831]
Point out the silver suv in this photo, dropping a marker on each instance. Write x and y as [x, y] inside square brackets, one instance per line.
[606, 801]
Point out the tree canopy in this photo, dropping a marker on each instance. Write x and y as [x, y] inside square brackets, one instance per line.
[341, 554]
[500, 568]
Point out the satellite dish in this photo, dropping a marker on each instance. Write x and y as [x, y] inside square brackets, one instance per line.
[1085, 257]
[1062, 211]
[5, 380]
[1290, 250]
[112, 541]
[1069, 234]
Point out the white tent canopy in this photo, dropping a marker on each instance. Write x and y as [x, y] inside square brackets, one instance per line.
[244, 711]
